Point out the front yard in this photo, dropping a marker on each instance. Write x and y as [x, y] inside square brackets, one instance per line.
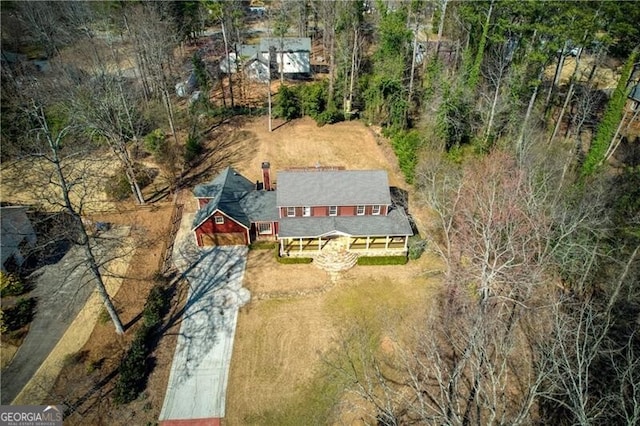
[298, 319]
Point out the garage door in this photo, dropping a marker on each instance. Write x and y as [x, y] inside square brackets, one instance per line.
[230, 239]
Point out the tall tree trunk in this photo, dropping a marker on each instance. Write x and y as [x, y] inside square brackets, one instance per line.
[567, 98]
[90, 258]
[354, 58]
[441, 26]
[226, 53]
[556, 76]
[492, 113]
[474, 75]
[332, 66]
[413, 64]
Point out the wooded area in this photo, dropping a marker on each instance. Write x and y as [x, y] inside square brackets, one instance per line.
[531, 172]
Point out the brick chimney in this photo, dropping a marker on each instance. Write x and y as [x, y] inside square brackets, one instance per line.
[266, 176]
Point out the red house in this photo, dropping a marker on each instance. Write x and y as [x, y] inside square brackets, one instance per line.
[310, 210]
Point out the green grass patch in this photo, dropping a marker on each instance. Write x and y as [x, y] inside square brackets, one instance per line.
[263, 245]
[292, 260]
[382, 260]
[313, 404]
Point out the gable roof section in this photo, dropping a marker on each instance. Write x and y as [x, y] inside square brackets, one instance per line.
[224, 193]
[333, 188]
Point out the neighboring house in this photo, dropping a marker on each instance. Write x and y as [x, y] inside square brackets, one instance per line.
[246, 57]
[16, 233]
[310, 210]
[290, 54]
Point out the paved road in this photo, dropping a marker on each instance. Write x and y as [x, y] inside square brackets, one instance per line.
[199, 372]
[61, 291]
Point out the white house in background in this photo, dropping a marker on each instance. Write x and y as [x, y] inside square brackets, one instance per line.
[16, 232]
[291, 54]
[239, 56]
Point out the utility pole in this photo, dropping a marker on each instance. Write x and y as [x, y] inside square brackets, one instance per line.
[269, 89]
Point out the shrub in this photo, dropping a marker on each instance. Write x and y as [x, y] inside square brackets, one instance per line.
[155, 141]
[405, 145]
[155, 307]
[263, 245]
[330, 116]
[193, 148]
[133, 370]
[382, 260]
[18, 316]
[312, 99]
[118, 187]
[11, 285]
[286, 104]
[416, 247]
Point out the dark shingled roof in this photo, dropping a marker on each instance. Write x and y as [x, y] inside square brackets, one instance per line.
[333, 188]
[235, 196]
[395, 223]
[260, 206]
[224, 192]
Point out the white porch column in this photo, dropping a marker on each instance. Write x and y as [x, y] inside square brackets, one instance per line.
[282, 246]
[300, 245]
[319, 243]
[367, 245]
[386, 242]
[406, 240]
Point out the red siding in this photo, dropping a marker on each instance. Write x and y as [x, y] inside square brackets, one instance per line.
[346, 211]
[342, 211]
[210, 227]
[275, 227]
[202, 202]
[319, 211]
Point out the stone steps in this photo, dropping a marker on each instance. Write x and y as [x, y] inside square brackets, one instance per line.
[336, 261]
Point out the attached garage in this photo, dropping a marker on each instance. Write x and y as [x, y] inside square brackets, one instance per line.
[221, 230]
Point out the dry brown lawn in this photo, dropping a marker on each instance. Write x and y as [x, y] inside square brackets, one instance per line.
[283, 339]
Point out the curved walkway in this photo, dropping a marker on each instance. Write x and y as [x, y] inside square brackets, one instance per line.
[198, 380]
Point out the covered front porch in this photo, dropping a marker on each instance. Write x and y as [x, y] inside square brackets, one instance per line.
[384, 245]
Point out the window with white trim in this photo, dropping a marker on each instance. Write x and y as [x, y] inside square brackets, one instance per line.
[333, 210]
[306, 211]
[291, 211]
[375, 210]
[264, 228]
[360, 210]
[219, 220]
